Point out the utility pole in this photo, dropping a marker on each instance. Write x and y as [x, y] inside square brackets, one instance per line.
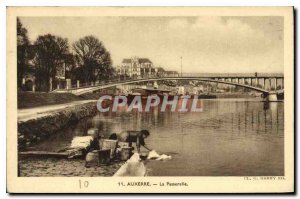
[181, 65]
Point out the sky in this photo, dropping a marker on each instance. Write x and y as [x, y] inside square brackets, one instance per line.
[206, 44]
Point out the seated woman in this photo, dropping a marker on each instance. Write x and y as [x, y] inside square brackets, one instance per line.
[133, 136]
[95, 142]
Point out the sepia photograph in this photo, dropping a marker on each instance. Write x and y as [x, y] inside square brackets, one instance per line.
[182, 93]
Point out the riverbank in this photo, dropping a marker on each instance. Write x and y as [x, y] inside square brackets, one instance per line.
[41, 123]
[37, 124]
[52, 167]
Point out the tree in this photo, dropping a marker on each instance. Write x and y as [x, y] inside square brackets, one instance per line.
[23, 54]
[93, 59]
[50, 55]
[70, 66]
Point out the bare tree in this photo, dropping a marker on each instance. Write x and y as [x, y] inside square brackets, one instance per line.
[93, 59]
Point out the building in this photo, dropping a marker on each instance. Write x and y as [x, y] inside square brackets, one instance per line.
[61, 79]
[171, 74]
[137, 67]
[28, 78]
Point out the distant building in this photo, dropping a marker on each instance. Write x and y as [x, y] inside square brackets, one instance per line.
[137, 67]
[31, 71]
[28, 79]
[171, 74]
[142, 68]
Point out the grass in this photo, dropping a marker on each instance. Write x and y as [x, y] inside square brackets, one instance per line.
[29, 99]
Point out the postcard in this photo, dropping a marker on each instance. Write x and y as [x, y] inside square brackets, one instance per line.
[150, 99]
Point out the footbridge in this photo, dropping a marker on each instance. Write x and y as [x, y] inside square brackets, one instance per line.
[263, 84]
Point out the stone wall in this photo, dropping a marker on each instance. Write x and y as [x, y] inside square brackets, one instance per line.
[35, 130]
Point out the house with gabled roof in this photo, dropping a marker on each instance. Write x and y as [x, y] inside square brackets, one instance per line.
[137, 67]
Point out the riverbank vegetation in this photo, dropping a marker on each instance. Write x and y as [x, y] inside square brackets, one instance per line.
[30, 99]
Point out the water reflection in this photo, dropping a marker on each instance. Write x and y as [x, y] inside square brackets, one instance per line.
[230, 137]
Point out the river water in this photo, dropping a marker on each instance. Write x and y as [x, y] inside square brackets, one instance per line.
[230, 137]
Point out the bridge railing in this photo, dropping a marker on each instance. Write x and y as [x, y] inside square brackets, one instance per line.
[104, 83]
[118, 80]
[232, 75]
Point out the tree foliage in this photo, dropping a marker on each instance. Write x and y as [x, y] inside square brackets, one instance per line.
[93, 59]
[50, 55]
[23, 53]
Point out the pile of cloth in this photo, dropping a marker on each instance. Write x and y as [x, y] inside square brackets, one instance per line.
[154, 155]
[135, 167]
[132, 167]
[81, 142]
[78, 145]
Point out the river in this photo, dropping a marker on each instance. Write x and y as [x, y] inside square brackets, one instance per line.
[230, 137]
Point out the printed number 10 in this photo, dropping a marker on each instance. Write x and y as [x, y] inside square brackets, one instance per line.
[83, 184]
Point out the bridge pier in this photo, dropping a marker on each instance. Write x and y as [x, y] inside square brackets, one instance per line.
[271, 97]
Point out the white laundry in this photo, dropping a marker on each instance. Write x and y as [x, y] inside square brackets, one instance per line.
[164, 157]
[133, 167]
[154, 155]
[134, 158]
[81, 142]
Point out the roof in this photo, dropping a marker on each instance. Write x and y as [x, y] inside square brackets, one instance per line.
[140, 60]
[126, 61]
[144, 60]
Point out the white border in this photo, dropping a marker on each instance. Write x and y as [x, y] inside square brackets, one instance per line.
[3, 5]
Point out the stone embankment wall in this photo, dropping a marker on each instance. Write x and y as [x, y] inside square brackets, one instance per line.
[35, 130]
